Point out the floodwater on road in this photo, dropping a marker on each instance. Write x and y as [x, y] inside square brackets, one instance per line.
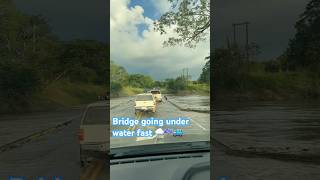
[192, 102]
[281, 128]
[199, 130]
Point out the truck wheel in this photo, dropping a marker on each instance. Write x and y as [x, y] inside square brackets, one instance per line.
[82, 159]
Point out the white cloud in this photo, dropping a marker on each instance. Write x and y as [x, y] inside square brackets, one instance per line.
[145, 54]
[161, 5]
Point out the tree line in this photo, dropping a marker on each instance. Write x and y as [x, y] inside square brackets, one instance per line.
[120, 78]
[32, 57]
[295, 71]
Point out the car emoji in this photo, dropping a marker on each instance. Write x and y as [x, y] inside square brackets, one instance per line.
[178, 132]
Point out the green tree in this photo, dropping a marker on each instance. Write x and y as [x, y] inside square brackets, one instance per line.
[140, 81]
[304, 48]
[17, 83]
[84, 60]
[118, 74]
[205, 74]
[229, 66]
[190, 20]
[176, 85]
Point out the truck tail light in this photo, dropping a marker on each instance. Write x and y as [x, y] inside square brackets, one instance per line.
[81, 135]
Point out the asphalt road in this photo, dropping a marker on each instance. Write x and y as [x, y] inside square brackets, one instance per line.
[282, 128]
[260, 168]
[57, 153]
[199, 129]
[54, 154]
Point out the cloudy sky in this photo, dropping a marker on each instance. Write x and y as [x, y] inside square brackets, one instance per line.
[72, 19]
[138, 48]
[272, 25]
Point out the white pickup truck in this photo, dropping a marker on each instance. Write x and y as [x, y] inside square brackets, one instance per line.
[93, 133]
[157, 95]
[145, 102]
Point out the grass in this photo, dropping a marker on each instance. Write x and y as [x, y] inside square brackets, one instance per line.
[202, 89]
[275, 86]
[130, 91]
[61, 94]
[68, 94]
[193, 89]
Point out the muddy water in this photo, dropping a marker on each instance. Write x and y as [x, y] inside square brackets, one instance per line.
[199, 130]
[292, 127]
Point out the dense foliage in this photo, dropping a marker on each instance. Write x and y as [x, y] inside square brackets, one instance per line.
[304, 48]
[190, 19]
[120, 78]
[32, 58]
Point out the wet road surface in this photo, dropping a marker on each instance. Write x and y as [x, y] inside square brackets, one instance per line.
[267, 126]
[197, 131]
[291, 128]
[54, 154]
[279, 128]
[57, 153]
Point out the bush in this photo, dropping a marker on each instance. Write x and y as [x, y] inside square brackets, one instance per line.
[176, 85]
[18, 83]
[115, 88]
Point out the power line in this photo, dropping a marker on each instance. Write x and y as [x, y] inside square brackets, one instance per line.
[246, 24]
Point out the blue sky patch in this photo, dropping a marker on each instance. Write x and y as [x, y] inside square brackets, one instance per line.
[141, 28]
[150, 10]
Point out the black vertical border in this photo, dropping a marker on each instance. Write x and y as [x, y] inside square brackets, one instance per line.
[108, 82]
[212, 85]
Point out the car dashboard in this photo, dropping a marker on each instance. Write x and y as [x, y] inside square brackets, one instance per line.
[186, 166]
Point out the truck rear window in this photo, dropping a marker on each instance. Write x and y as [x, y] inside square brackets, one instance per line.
[96, 115]
[155, 92]
[144, 98]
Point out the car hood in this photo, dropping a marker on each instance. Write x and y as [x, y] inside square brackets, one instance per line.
[170, 167]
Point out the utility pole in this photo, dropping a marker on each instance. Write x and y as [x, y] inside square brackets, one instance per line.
[246, 24]
[187, 75]
[182, 73]
[33, 38]
[247, 40]
[234, 34]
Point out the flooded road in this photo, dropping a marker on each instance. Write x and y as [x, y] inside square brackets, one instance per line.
[57, 152]
[290, 130]
[283, 128]
[199, 130]
[286, 127]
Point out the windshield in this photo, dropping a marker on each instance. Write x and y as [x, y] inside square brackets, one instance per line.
[144, 98]
[95, 115]
[158, 95]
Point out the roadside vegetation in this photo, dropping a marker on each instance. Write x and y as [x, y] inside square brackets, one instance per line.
[293, 75]
[39, 71]
[125, 84]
